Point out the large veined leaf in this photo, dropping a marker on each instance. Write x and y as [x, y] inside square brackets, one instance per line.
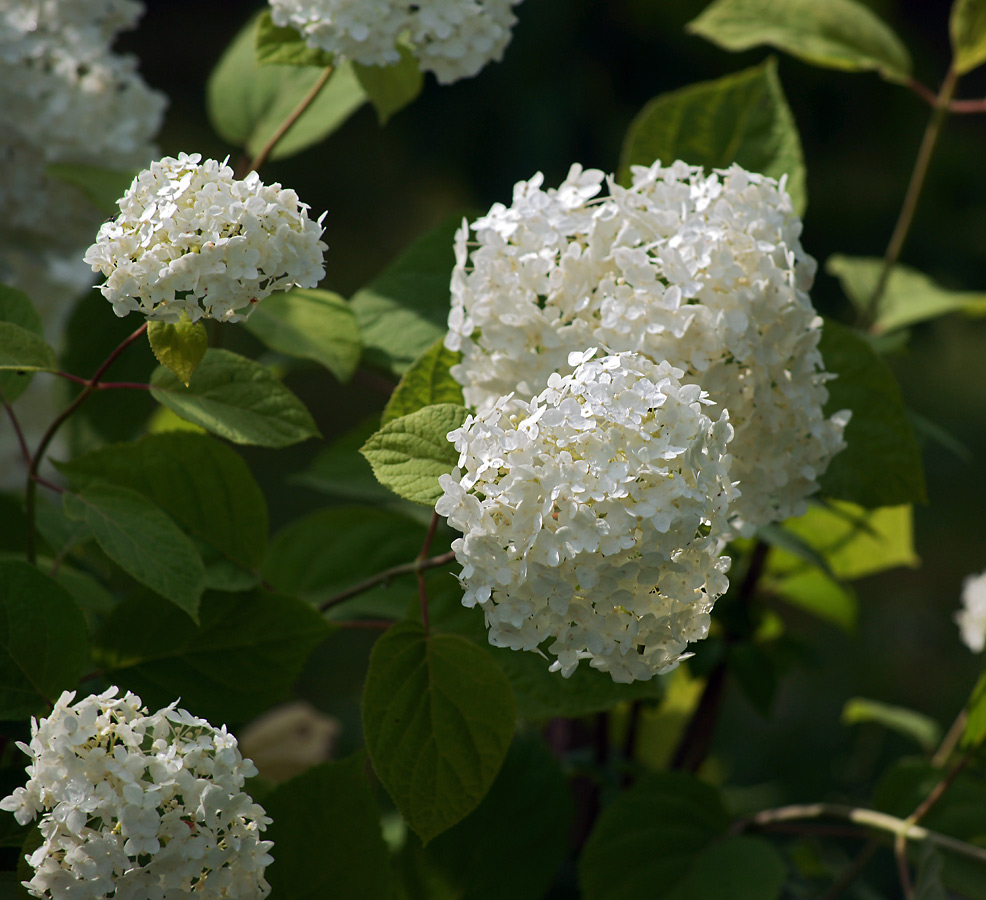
[404, 310]
[326, 828]
[203, 484]
[310, 324]
[840, 34]
[340, 471]
[967, 27]
[438, 716]
[237, 399]
[742, 118]
[410, 453]
[179, 347]
[24, 351]
[425, 383]
[881, 465]
[667, 838]
[43, 640]
[142, 540]
[247, 101]
[909, 296]
[242, 658]
[17, 309]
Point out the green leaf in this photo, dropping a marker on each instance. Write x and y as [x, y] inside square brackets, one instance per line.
[285, 46]
[203, 484]
[326, 830]
[403, 311]
[237, 399]
[742, 118]
[929, 884]
[908, 722]
[17, 309]
[818, 594]
[967, 27]
[143, 541]
[667, 838]
[425, 383]
[325, 552]
[310, 324]
[243, 657]
[881, 466]
[540, 694]
[438, 717]
[838, 34]
[180, 347]
[410, 453]
[909, 297]
[340, 471]
[529, 805]
[975, 726]
[101, 187]
[24, 351]
[43, 643]
[853, 541]
[247, 101]
[391, 88]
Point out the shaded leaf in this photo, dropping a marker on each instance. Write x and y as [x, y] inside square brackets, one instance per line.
[410, 453]
[839, 34]
[742, 118]
[438, 717]
[203, 484]
[391, 88]
[975, 726]
[16, 308]
[326, 828]
[881, 466]
[237, 399]
[967, 28]
[404, 310]
[247, 101]
[43, 643]
[425, 383]
[242, 658]
[908, 722]
[24, 351]
[142, 540]
[310, 324]
[909, 297]
[179, 347]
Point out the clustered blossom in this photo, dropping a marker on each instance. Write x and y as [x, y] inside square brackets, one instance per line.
[592, 515]
[139, 807]
[703, 270]
[191, 238]
[452, 38]
[971, 619]
[66, 98]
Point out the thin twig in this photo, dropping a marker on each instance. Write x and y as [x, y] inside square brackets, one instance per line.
[387, 576]
[293, 117]
[962, 107]
[909, 205]
[951, 739]
[853, 870]
[17, 429]
[105, 385]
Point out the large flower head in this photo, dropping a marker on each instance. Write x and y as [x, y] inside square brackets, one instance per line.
[703, 270]
[591, 515]
[452, 38]
[192, 238]
[138, 805]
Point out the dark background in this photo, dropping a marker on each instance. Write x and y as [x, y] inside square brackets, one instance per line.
[573, 77]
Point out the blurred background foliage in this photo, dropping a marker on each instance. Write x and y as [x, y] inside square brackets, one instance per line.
[575, 74]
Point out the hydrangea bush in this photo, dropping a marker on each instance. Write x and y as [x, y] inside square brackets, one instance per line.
[558, 596]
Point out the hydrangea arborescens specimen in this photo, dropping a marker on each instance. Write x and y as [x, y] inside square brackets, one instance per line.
[703, 270]
[192, 238]
[452, 38]
[593, 513]
[971, 619]
[139, 806]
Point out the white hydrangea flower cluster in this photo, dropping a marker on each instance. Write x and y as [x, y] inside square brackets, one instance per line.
[703, 270]
[65, 97]
[452, 38]
[139, 807]
[971, 619]
[191, 238]
[593, 514]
